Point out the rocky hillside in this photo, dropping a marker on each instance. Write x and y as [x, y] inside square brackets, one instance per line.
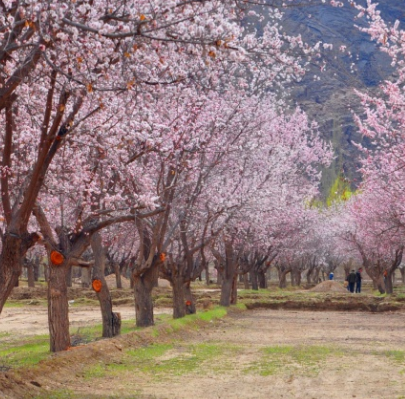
[328, 96]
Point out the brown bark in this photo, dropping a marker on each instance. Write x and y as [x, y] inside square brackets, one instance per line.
[69, 277]
[295, 277]
[179, 299]
[246, 281]
[58, 308]
[117, 273]
[402, 270]
[226, 291]
[30, 274]
[190, 301]
[11, 259]
[254, 280]
[389, 287]
[143, 286]
[282, 277]
[86, 272]
[262, 279]
[234, 292]
[36, 269]
[104, 297]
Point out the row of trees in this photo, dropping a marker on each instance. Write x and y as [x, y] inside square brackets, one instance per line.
[161, 131]
[149, 125]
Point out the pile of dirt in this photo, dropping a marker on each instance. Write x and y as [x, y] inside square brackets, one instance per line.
[112, 282]
[329, 286]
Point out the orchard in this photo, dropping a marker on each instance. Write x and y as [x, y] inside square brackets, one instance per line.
[163, 138]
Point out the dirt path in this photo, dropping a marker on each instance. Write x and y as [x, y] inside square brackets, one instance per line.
[260, 354]
[33, 320]
[277, 354]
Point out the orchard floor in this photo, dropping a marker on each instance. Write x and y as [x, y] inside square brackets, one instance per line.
[255, 354]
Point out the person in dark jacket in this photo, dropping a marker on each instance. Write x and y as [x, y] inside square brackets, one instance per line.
[351, 279]
[358, 280]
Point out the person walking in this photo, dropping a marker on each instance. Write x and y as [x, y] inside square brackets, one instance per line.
[351, 279]
[358, 280]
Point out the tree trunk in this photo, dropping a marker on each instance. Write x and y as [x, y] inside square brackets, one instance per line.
[262, 279]
[254, 280]
[295, 278]
[246, 281]
[402, 270]
[30, 274]
[234, 293]
[179, 302]
[86, 272]
[11, 260]
[69, 277]
[36, 268]
[379, 282]
[226, 291]
[207, 273]
[219, 278]
[117, 273]
[283, 279]
[389, 286]
[103, 296]
[143, 286]
[58, 307]
[309, 275]
[190, 301]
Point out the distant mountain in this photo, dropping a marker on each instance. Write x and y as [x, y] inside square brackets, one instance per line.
[361, 66]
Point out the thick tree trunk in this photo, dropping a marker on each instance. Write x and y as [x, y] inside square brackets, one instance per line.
[109, 319]
[30, 274]
[190, 301]
[58, 308]
[262, 279]
[254, 280]
[380, 284]
[143, 286]
[226, 291]
[11, 260]
[179, 301]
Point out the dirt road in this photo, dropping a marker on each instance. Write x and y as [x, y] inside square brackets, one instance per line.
[33, 320]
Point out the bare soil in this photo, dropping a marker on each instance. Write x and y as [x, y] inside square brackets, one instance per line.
[33, 320]
[254, 354]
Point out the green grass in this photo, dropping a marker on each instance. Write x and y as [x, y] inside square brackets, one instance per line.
[14, 353]
[299, 359]
[397, 356]
[182, 359]
[28, 353]
[159, 360]
[170, 359]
